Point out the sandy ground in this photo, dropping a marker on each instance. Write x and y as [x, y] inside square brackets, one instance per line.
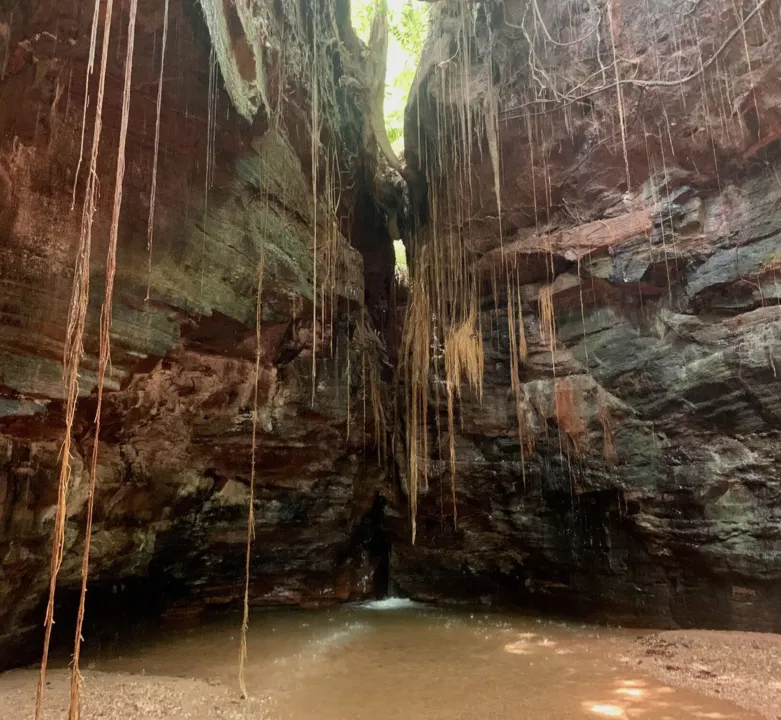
[113, 696]
[742, 667]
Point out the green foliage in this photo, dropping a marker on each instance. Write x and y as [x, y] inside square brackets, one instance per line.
[408, 26]
[362, 14]
[401, 269]
[401, 253]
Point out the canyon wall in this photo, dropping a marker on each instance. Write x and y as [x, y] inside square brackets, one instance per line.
[234, 183]
[647, 490]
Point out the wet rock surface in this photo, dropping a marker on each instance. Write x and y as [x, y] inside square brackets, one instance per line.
[175, 449]
[648, 487]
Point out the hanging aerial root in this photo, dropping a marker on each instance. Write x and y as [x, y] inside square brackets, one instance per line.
[153, 193]
[251, 510]
[451, 431]
[378, 412]
[367, 342]
[315, 150]
[492, 131]
[464, 355]
[463, 358]
[211, 123]
[331, 252]
[74, 336]
[619, 93]
[105, 355]
[90, 68]
[548, 321]
[415, 359]
[518, 355]
[349, 379]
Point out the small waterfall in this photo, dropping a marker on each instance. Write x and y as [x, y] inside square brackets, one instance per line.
[392, 603]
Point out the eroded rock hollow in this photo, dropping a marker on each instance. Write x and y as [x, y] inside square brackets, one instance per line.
[589, 424]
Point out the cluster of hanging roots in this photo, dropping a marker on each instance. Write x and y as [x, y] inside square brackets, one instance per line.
[444, 310]
[444, 307]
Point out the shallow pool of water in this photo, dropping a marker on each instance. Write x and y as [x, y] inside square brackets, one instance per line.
[396, 660]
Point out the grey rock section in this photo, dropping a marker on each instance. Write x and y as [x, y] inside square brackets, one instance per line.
[648, 490]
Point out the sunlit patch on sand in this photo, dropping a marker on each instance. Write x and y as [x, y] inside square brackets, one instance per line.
[631, 692]
[518, 648]
[633, 683]
[607, 710]
[546, 643]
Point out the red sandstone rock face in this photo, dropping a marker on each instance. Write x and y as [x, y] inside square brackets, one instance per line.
[650, 490]
[176, 441]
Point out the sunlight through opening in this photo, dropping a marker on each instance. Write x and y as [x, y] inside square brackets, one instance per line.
[408, 27]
